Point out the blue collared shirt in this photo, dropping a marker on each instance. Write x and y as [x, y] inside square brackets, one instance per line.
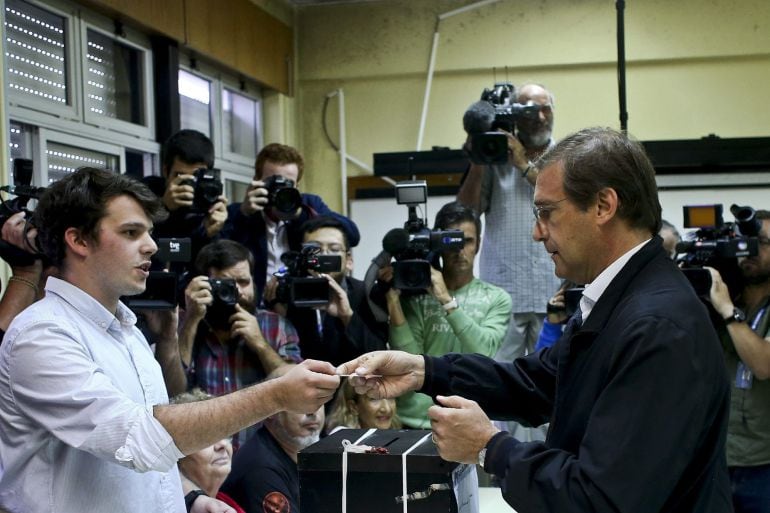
[77, 433]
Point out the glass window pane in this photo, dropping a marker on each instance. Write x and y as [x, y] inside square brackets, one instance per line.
[235, 191]
[35, 53]
[20, 145]
[63, 159]
[195, 99]
[239, 123]
[114, 79]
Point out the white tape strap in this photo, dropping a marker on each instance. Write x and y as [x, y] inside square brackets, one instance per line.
[404, 493]
[346, 448]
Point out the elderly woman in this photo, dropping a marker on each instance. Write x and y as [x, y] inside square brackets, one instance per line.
[203, 472]
[351, 410]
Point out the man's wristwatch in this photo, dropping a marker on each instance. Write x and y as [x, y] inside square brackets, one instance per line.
[737, 316]
[482, 456]
[450, 305]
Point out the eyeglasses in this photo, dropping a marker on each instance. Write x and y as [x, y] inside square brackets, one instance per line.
[543, 212]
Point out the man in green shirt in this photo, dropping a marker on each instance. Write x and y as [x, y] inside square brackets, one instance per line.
[459, 314]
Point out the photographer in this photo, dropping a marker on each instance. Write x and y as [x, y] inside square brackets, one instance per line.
[23, 287]
[346, 327]
[503, 193]
[268, 229]
[746, 342]
[460, 313]
[226, 347]
[182, 155]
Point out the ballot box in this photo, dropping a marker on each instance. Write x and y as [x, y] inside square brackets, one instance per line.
[373, 482]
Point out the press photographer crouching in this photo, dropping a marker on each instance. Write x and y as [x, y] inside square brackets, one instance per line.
[226, 343]
[746, 342]
[343, 324]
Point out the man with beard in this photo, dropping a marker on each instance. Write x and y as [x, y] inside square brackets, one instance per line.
[460, 313]
[509, 257]
[264, 477]
[228, 347]
[746, 342]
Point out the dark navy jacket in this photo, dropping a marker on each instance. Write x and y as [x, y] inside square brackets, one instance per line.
[638, 400]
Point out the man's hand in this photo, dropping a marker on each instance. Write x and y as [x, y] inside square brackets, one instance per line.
[719, 294]
[179, 193]
[460, 428]
[162, 324]
[438, 287]
[244, 324]
[307, 386]
[339, 305]
[13, 232]
[399, 372]
[216, 217]
[557, 309]
[255, 199]
[206, 504]
[517, 153]
[197, 298]
[269, 295]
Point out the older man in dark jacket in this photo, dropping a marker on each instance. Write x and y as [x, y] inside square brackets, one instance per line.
[635, 390]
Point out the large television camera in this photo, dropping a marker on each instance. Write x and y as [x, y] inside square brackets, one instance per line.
[296, 285]
[717, 244]
[23, 192]
[496, 110]
[414, 245]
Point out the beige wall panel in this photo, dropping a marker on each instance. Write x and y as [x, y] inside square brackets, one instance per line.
[694, 68]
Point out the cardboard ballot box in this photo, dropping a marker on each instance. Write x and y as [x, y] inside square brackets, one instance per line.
[375, 481]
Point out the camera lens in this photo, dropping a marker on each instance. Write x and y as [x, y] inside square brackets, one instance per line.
[287, 200]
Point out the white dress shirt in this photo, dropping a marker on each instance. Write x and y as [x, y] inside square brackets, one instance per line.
[77, 432]
[277, 244]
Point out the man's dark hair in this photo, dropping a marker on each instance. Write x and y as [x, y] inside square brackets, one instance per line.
[316, 223]
[280, 154]
[763, 214]
[79, 200]
[595, 158]
[455, 212]
[222, 255]
[189, 146]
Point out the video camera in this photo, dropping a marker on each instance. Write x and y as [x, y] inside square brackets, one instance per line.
[282, 195]
[162, 289]
[496, 110]
[413, 245]
[208, 187]
[24, 192]
[295, 284]
[717, 244]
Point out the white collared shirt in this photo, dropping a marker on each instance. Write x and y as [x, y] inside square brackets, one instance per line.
[277, 244]
[596, 288]
[77, 432]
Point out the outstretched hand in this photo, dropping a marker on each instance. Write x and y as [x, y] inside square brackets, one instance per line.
[385, 374]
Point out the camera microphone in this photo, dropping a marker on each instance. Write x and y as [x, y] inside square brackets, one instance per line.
[395, 241]
[479, 118]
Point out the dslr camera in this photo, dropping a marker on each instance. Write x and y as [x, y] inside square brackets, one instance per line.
[282, 195]
[415, 245]
[296, 286]
[225, 294]
[24, 192]
[488, 146]
[208, 187]
[717, 244]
